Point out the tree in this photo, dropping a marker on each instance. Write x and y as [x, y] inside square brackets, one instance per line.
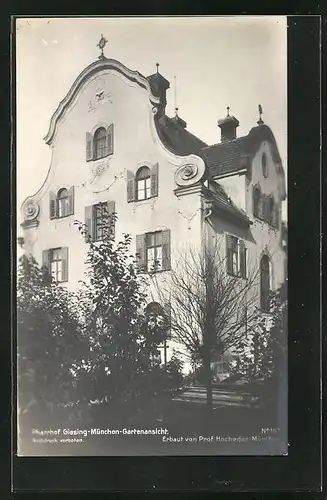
[261, 358]
[121, 368]
[48, 341]
[211, 310]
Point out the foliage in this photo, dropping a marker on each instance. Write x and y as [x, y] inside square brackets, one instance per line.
[261, 358]
[121, 368]
[49, 341]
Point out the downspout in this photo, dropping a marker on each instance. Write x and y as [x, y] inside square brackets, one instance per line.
[206, 212]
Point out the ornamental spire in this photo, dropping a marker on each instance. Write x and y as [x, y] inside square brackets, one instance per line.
[260, 121]
[101, 44]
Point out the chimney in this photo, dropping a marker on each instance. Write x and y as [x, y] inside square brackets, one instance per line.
[228, 127]
[159, 86]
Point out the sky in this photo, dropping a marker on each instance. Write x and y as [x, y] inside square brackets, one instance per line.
[211, 63]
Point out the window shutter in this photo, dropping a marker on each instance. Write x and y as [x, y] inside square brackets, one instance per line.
[46, 259]
[111, 211]
[265, 202]
[71, 201]
[229, 246]
[110, 139]
[242, 258]
[130, 186]
[64, 253]
[256, 201]
[89, 223]
[53, 205]
[154, 179]
[166, 250]
[89, 146]
[141, 252]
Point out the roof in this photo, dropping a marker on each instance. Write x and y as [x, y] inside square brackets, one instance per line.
[222, 202]
[176, 138]
[226, 157]
[232, 156]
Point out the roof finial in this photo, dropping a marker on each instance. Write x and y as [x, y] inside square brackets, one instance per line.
[101, 44]
[228, 108]
[157, 64]
[260, 121]
[176, 112]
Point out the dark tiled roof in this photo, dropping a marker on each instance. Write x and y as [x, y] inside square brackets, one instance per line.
[231, 156]
[221, 159]
[176, 138]
[226, 157]
[222, 201]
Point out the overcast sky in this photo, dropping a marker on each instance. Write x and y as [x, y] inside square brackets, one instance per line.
[218, 61]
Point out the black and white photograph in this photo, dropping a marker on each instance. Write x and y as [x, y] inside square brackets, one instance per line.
[151, 166]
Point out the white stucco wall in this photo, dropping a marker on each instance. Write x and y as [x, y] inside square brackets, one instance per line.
[135, 144]
[127, 105]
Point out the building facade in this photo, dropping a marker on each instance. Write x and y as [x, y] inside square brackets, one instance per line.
[114, 148]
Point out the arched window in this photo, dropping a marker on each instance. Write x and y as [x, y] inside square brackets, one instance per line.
[155, 314]
[257, 202]
[143, 183]
[63, 203]
[100, 145]
[265, 283]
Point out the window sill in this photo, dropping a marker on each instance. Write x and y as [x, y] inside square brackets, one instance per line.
[236, 275]
[101, 158]
[63, 216]
[272, 226]
[141, 202]
[153, 272]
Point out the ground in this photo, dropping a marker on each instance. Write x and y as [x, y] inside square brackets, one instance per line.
[185, 427]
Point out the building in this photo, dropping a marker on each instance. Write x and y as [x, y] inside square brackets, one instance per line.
[113, 146]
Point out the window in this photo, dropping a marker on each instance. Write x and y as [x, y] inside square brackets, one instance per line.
[264, 165]
[155, 314]
[236, 256]
[56, 261]
[257, 202]
[272, 211]
[61, 204]
[143, 184]
[153, 251]
[100, 221]
[100, 144]
[264, 207]
[264, 283]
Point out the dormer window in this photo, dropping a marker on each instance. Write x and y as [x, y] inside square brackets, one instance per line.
[264, 165]
[100, 144]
